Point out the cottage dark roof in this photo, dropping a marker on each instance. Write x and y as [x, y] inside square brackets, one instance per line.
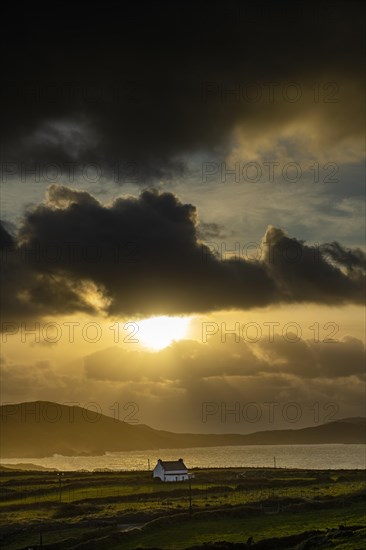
[173, 465]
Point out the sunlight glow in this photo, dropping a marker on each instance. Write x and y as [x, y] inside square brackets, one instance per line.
[158, 332]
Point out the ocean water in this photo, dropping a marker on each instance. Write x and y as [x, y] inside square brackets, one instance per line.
[243, 456]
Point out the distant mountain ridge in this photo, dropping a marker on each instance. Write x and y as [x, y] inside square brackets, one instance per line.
[30, 430]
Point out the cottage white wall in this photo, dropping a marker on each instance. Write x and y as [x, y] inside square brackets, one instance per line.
[159, 471]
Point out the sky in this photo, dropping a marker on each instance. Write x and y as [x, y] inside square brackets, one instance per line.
[182, 212]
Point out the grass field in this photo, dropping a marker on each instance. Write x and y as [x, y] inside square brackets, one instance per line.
[226, 505]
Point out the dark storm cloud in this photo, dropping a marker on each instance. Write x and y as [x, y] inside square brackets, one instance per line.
[303, 273]
[207, 231]
[26, 293]
[352, 260]
[308, 359]
[138, 92]
[143, 252]
[189, 362]
[142, 256]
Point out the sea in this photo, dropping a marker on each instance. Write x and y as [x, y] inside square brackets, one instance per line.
[315, 457]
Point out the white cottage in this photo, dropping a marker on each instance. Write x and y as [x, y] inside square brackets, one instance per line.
[174, 470]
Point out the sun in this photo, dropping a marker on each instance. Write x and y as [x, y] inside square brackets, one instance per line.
[158, 332]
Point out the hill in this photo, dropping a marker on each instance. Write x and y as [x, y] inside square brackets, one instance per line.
[41, 428]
